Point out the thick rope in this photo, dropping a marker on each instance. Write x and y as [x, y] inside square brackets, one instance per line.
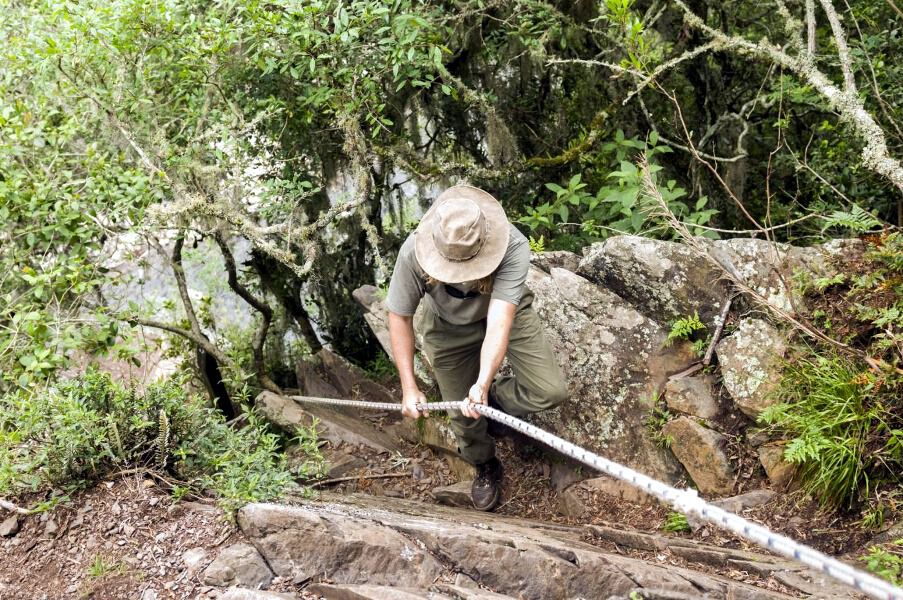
[686, 501]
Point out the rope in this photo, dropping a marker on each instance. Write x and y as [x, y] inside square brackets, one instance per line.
[686, 501]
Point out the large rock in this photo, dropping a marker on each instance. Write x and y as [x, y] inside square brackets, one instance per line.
[701, 451]
[663, 280]
[354, 541]
[750, 361]
[614, 360]
[239, 564]
[305, 542]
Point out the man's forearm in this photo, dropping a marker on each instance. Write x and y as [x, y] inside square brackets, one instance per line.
[401, 339]
[495, 344]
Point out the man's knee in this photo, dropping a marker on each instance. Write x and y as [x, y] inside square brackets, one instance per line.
[552, 393]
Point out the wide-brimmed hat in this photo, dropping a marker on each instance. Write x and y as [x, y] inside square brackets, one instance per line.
[463, 236]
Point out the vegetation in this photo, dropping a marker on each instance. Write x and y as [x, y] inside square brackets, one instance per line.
[886, 561]
[676, 522]
[89, 428]
[841, 403]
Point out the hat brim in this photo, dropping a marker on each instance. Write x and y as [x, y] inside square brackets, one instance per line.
[486, 260]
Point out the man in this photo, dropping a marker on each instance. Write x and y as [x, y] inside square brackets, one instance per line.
[470, 264]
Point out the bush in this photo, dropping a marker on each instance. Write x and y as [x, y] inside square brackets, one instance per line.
[87, 428]
[841, 418]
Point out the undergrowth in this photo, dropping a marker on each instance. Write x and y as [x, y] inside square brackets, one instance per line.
[842, 411]
[886, 561]
[83, 430]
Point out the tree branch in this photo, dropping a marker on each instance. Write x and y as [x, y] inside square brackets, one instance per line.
[266, 314]
[843, 52]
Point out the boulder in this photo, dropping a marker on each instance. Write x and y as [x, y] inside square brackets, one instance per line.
[750, 361]
[340, 463]
[700, 451]
[617, 489]
[305, 542]
[614, 360]
[371, 592]
[693, 396]
[237, 593]
[736, 504]
[239, 564]
[779, 471]
[373, 542]
[663, 280]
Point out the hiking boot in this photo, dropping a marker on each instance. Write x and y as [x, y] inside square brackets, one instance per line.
[487, 486]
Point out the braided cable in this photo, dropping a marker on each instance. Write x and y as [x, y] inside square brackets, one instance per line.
[686, 501]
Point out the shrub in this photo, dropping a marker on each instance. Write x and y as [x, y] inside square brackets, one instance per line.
[886, 561]
[841, 419]
[87, 428]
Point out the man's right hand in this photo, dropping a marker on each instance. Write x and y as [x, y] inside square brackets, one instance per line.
[409, 403]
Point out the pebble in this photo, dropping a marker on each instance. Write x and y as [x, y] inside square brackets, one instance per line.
[51, 528]
[149, 594]
[116, 509]
[154, 500]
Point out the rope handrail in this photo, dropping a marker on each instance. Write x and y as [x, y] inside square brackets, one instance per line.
[686, 501]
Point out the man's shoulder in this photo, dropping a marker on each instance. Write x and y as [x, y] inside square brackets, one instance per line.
[407, 255]
[515, 237]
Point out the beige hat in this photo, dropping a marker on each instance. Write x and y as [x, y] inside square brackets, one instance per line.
[463, 236]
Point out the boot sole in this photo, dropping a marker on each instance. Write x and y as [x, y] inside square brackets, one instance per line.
[492, 505]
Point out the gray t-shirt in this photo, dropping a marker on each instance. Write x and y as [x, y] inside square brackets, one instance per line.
[408, 284]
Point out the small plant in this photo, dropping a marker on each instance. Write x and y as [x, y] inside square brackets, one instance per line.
[537, 245]
[886, 561]
[685, 328]
[101, 568]
[381, 368]
[840, 434]
[676, 522]
[656, 420]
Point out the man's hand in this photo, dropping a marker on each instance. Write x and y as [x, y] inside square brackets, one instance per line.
[409, 403]
[478, 394]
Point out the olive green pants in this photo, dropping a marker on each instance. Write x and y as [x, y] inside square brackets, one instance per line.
[454, 352]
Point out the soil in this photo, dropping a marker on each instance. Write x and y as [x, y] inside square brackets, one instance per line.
[126, 538]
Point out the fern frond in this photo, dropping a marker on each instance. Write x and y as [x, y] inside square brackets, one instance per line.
[161, 444]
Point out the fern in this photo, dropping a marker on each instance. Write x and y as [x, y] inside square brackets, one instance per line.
[537, 246]
[858, 220]
[684, 328]
[161, 444]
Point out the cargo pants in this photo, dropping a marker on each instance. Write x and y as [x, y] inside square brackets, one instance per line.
[537, 382]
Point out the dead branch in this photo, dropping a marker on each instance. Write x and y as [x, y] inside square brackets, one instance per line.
[719, 327]
[5, 504]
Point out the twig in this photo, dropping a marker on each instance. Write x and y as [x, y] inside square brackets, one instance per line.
[722, 317]
[13, 508]
[357, 478]
[691, 370]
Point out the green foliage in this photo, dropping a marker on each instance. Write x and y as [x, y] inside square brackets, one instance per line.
[685, 328]
[857, 220]
[84, 429]
[676, 522]
[886, 561]
[618, 205]
[655, 421]
[381, 368]
[843, 424]
[101, 567]
[537, 245]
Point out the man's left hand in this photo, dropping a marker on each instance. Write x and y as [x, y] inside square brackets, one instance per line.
[478, 394]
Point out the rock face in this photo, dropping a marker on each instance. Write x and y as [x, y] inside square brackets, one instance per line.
[750, 362]
[614, 360]
[364, 547]
[700, 450]
[663, 280]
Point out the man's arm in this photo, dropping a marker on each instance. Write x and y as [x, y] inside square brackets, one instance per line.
[401, 339]
[498, 328]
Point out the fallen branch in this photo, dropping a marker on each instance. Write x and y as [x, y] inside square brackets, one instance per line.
[722, 317]
[13, 508]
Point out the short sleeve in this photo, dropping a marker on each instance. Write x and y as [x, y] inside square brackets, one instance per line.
[510, 278]
[406, 287]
